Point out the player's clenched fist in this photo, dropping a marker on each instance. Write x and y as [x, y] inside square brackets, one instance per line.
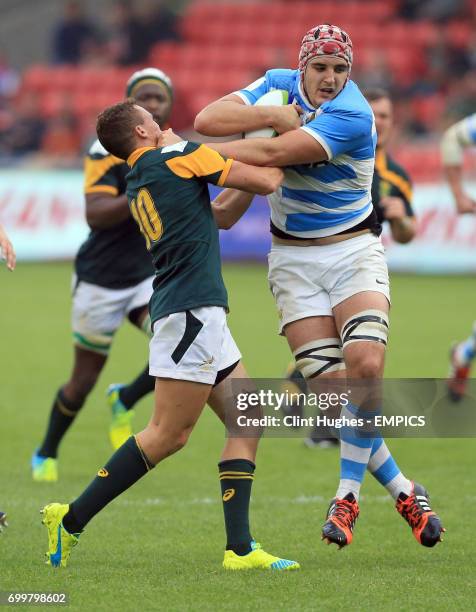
[465, 204]
[168, 137]
[393, 207]
[286, 118]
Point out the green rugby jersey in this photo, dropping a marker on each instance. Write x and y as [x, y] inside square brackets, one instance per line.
[168, 196]
[390, 179]
[114, 257]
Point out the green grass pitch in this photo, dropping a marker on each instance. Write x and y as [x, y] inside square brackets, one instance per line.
[160, 545]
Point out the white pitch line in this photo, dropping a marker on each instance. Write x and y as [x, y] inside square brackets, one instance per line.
[207, 501]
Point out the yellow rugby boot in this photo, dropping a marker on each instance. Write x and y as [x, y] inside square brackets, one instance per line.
[257, 559]
[44, 469]
[60, 542]
[121, 418]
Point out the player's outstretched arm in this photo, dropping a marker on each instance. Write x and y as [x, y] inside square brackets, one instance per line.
[253, 179]
[104, 210]
[230, 115]
[6, 250]
[229, 206]
[243, 176]
[294, 147]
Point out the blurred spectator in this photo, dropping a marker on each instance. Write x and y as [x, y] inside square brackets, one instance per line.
[73, 35]
[436, 10]
[9, 78]
[408, 124]
[377, 73]
[25, 132]
[446, 59]
[61, 136]
[129, 42]
[137, 30]
[442, 10]
[160, 23]
[461, 99]
[409, 9]
[471, 51]
[9, 83]
[425, 67]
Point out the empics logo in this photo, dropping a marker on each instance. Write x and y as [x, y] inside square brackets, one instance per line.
[103, 473]
[228, 494]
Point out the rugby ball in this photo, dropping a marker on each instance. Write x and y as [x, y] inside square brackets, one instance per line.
[276, 97]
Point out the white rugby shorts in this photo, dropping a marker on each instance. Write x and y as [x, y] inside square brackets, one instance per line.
[310, 281]
[98, 312]
[192, 345]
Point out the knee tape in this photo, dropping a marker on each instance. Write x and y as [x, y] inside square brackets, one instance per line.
[97, 343]
[365, 326]
[319, 357]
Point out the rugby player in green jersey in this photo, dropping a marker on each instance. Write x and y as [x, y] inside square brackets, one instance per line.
[392, 191]
[112, 281]
[193, 356]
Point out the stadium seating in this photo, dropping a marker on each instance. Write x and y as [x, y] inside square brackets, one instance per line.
[428, 110]
[226, 45]
[423, 162]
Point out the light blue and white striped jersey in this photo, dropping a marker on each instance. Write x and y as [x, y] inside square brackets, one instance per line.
[323, 199]
[456, 138]
[468, 126]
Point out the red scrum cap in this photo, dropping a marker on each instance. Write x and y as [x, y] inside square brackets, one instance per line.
[325, 39]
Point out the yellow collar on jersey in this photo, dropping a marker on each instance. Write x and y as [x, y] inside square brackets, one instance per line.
[134, 156]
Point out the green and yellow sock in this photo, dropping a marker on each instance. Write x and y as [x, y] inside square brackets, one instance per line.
[63, 412]
[236, 478]
[134, 391]
[124, 468]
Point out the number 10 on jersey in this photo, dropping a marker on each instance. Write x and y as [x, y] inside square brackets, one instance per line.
[146, 216]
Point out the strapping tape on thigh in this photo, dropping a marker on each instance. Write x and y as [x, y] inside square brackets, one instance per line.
[366, 326]
[319, 357]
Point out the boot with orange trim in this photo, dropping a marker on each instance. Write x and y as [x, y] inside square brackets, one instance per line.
[457, 381]
[416, 510]
[340, 522]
